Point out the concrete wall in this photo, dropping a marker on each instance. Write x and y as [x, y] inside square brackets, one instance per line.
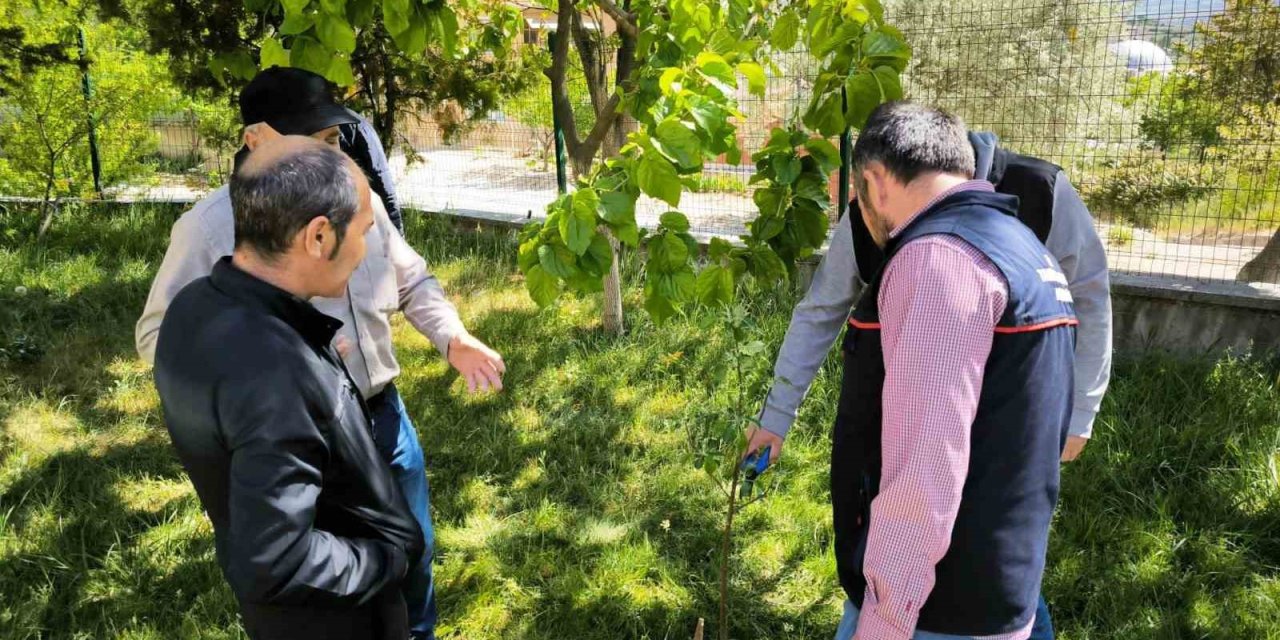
[1194, 318]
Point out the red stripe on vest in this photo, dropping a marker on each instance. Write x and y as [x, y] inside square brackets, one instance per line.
[1051, 324]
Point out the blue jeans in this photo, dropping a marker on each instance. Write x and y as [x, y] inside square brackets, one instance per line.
[1041, 629]
[397, 442]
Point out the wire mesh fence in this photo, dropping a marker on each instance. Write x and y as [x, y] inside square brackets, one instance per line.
[1164, 114]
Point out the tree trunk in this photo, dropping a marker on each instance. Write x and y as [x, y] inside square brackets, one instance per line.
[1264, 267]
[612, 311]
[622, 124]
[47, 208]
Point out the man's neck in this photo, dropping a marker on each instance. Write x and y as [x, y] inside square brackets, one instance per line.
[923, 190]
[271, 272]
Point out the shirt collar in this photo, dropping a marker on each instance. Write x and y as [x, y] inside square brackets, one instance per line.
[315, 327]
[969, 185]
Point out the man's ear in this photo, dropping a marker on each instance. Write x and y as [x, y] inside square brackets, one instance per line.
[258, 133]
[318, 237]
[878, 178]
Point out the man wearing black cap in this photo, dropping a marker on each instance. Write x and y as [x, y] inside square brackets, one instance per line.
[295, 101]
[392, 277]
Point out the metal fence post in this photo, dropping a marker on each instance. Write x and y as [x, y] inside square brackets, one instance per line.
[846, 162]
[87, 86]
[562, 176]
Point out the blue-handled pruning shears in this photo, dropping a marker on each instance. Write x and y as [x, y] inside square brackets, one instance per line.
[752, 466]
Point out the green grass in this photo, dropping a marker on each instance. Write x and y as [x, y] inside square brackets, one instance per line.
[565, 507]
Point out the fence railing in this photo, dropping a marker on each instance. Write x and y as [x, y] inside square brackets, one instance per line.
[1176, 162]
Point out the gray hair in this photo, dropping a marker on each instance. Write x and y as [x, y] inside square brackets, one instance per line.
[273, 202]
[912, 139]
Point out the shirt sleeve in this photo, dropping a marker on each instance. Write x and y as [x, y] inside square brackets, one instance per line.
[939, 304]
[815, 324]
[190, 255]
[422, 299]
[1074, 241]
[276, 555]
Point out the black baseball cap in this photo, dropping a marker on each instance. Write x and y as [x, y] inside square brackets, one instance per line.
[293, 101]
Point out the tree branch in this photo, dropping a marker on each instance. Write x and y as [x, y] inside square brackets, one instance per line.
[626, 23]
[592, 63]
[604, 123]
[561, 105]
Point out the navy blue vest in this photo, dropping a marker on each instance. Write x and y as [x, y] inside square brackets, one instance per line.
[989, 580]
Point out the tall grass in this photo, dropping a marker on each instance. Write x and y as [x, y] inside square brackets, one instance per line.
[566, 506]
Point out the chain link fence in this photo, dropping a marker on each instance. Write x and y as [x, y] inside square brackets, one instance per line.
[1164, 114]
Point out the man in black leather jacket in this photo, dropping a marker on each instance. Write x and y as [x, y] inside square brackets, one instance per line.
[311, 530]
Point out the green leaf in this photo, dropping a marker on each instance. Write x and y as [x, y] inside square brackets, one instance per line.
[826, 116]
[310, 55]
[334, 7]
[786, 168]
[527, 255]
[813, 187]
[679, 143]
[446, 22]
[617, 207]
[811, 222]
[785, 31]
[765, 264]
[578, 224]
[675, 221]
[677, 286]
[768, 226]
[659, 308]
[715, 286]
[876, 9]
[779, 142]
[719, 248]
[890, 82]
[558, 260]
[627, 232]
[360, 12]
[824, 152]
[297, 23]
[717, 71]
[273, 54]
[885, 43]
[754, 74]
[239, 63]
[586, 283]
[599, 256]
[771, 201]
[294, 7]
[339, 72]
[396, 16]
[667, 253]
[862, 96]
[257, 6]
[670, 80]
[336, 34]
[413, 40]
[658, 179]
[542, 286]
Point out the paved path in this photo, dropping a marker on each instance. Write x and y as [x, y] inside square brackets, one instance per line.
[481, 180]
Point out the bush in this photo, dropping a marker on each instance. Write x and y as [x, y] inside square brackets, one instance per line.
[44, 131]
[1139, 187]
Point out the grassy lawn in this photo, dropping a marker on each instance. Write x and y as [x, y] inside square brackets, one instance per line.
[566, 507]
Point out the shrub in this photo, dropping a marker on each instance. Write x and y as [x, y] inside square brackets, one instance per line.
[1139, 187]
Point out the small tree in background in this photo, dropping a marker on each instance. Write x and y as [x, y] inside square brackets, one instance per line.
[44, 132]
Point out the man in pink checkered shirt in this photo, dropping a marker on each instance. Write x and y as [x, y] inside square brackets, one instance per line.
[957, 396]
